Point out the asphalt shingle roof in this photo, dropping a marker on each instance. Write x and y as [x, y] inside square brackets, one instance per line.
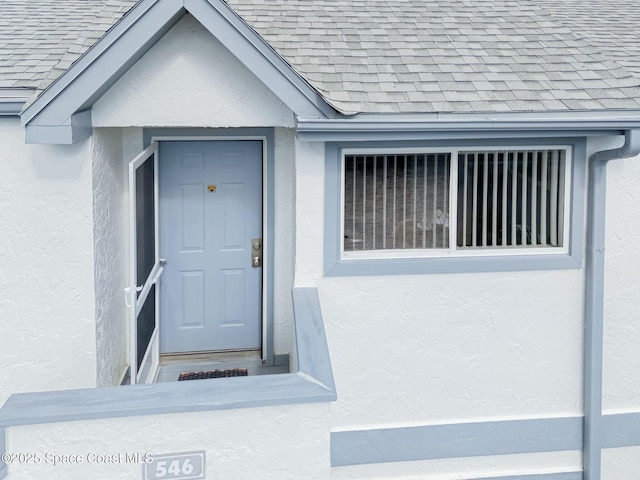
[383, 56]
[441, 55]
[40, 39]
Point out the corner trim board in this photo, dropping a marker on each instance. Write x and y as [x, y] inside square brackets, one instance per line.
[401, 127]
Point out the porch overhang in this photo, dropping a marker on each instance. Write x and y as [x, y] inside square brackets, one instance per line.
[62, 113]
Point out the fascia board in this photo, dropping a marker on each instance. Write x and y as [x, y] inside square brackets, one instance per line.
[13, 100]
[78, 128]
[103, 63]
[11, 108]
[407, 128]
[251, 49]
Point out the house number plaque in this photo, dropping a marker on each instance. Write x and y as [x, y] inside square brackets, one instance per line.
[176, 466]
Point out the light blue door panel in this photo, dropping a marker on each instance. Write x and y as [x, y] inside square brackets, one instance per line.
[210, 210]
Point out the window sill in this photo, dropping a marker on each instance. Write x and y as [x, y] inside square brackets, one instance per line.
[460, 264]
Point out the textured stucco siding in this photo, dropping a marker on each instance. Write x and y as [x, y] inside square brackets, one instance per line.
[47, 328]
[449, 348]
[622, 288]
[439, 349]
[268, 443]
[621, 463]
[109, 254]
[190, 79]
[284, 235]
[424, 349]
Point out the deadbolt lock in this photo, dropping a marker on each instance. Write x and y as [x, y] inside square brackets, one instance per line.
[256, 252]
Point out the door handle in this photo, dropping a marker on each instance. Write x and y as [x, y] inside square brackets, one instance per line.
[256, 253]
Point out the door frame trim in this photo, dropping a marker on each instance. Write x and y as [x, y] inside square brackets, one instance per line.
[266, 136]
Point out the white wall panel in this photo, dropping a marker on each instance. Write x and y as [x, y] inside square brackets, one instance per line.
[190, 79]
[288, 442]
[47, 308]
[110, 255]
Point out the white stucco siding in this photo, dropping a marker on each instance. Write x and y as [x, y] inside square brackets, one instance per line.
[288, 442]
[189, 79]
[110, 255]
[309, 213]
[47, 328]
[284, 234]
[621, 463]
[420, 349]
[447, 348]
[622, 286]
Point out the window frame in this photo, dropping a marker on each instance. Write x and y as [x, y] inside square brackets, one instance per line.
[453, 259]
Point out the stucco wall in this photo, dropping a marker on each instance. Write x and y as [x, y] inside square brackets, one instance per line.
[47, 328]
[110, 250]
[621, 463]
[288, 442]
[432, 349]
[190, 79]
[424, 349]
[622, 286]
[284, 234]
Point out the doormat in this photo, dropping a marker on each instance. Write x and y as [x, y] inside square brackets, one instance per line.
[236, 372]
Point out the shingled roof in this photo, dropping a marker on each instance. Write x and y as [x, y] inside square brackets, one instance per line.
[378, 56]
[40, 39]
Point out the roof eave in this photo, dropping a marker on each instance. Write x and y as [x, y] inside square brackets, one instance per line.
[13, 100]
[425, 126]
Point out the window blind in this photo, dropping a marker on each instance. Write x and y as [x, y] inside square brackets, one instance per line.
[396, 201]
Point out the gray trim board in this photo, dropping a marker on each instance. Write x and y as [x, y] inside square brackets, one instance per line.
[621, 430]
[455, 440]
[399, 127]
[12, 100]
[160, 398]
[194, 396]
[335, 266]
[539, 476]
[270, 173]
[11, 108]
[474, 439]
[312, 352]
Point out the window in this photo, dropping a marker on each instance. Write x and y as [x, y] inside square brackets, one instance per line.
[454, 201]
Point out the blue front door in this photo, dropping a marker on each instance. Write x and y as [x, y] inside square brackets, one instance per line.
[210, 212]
